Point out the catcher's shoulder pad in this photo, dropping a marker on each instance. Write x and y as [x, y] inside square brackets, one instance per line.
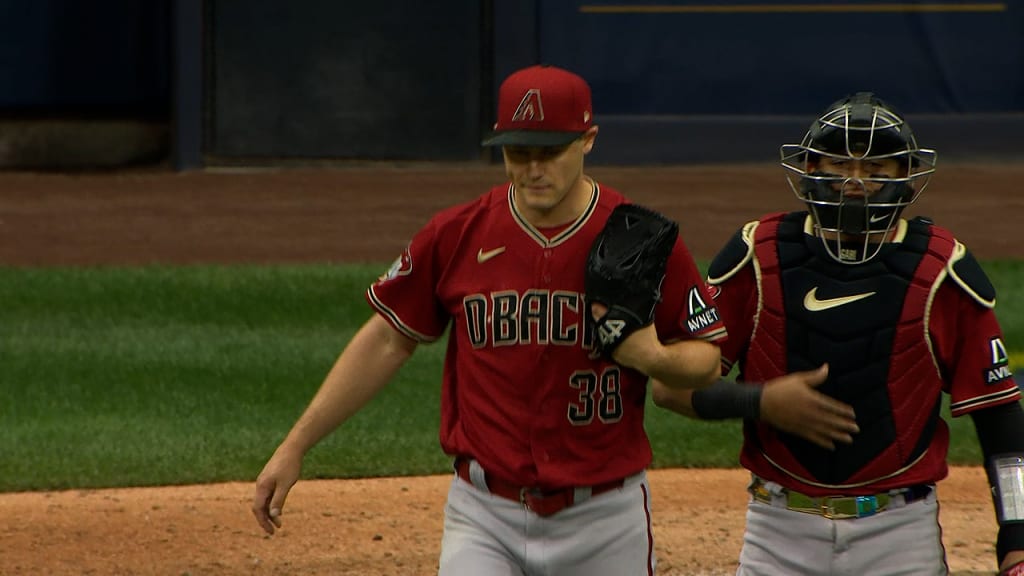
[969, 275]
[736, 253]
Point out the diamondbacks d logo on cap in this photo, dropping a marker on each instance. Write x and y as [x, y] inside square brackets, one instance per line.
[530, 107]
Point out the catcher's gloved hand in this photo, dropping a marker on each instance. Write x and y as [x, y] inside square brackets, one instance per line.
[624, 272]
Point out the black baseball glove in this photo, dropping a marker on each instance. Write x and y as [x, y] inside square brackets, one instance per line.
[624, 272]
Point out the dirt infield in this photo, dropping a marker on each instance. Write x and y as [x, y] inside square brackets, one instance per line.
[367, 213]
[379, 527]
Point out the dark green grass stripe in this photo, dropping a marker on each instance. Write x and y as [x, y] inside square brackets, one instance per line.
[142, 376]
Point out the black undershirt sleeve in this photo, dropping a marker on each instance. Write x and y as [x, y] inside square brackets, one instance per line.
[727, 399]
[1000, 430]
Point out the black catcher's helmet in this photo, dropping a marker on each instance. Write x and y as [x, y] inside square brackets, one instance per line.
[860, 127]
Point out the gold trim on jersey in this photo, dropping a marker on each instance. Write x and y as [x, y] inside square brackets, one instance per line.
[714, 335]
[976, 401]
[926, 320]
[810, 482]
[748, 236]
[564, 235]
[959, 252]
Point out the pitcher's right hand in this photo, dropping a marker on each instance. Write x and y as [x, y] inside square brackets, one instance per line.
[272, 485]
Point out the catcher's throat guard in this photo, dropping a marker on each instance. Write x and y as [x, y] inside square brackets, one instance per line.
[625, 269]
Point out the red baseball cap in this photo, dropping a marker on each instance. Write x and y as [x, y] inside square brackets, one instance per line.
[541, 106]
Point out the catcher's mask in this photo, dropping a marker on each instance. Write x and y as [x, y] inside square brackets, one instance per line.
[853, 215]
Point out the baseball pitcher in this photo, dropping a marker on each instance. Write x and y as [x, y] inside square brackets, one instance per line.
[544, 384]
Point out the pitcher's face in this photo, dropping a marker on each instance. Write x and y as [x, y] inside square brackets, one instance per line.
[544, 177]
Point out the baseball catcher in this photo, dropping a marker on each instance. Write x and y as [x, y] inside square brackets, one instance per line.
[855, 324]
[625, 270]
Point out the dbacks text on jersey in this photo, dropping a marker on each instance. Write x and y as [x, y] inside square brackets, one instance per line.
[536, 316]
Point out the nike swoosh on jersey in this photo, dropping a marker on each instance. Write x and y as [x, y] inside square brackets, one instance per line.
[482, 256]
[812, 303]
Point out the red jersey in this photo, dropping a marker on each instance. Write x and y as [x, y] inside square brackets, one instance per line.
[520, 391]
[897, 332]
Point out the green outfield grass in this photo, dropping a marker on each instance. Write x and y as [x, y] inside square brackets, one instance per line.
[147, 376]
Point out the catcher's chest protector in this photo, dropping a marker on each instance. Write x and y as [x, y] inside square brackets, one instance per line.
[868, 322]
